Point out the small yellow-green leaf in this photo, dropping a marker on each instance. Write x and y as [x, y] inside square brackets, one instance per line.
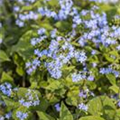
[91, 118]
[65, 113]
[44, 116]
[3, 56]
[6, 77]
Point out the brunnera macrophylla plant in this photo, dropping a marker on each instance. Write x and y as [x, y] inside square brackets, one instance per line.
[60, 60]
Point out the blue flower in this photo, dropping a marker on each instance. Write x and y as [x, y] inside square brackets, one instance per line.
[90, 78]
[77, 77]
[118, 47]
[30, 99]
[83, 107]
[16, 8]
[19, 23]
[93, 52]
[57, 106]
[83, 94]
[94, 64]
[77, 20]
[118, 103]
[21, 101]
[8, 115]
[1, 40]
[34, 41]
[2, 118]
[80, 56]
[21, 115]
[41, 31]
[6, 89]
[53, 33]
[36, 62]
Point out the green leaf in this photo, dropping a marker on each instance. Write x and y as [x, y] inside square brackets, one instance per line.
[108, 58]
[20, 64]
[27, 8]
[54, 85]
[91, 118]
[21, 48]
[10, 103]
[114, 88]
[43, 105]
[102, 106]
[20, 71]
[111, 78]
[44, 116]
[46, 25]
[65, 113]
[70, 68]
[111, 10]
[117, 116]
[92, 85]
[6, 77]
[53, 3]
[3, 56]
[22, 91]
[63, 26]
[72, 96]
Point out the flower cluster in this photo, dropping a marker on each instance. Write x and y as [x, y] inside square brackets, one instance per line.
[30, 99]
[21, 115]
[58, 60]
[82, 75]
[63, 13]
[6, 89]
[23, 17]
[86, 93]
[83, 107]
[108, 71]
[98, 32]
[32, 66]
[6, 116]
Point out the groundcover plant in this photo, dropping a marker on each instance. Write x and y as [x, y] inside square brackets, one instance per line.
[59, 60]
